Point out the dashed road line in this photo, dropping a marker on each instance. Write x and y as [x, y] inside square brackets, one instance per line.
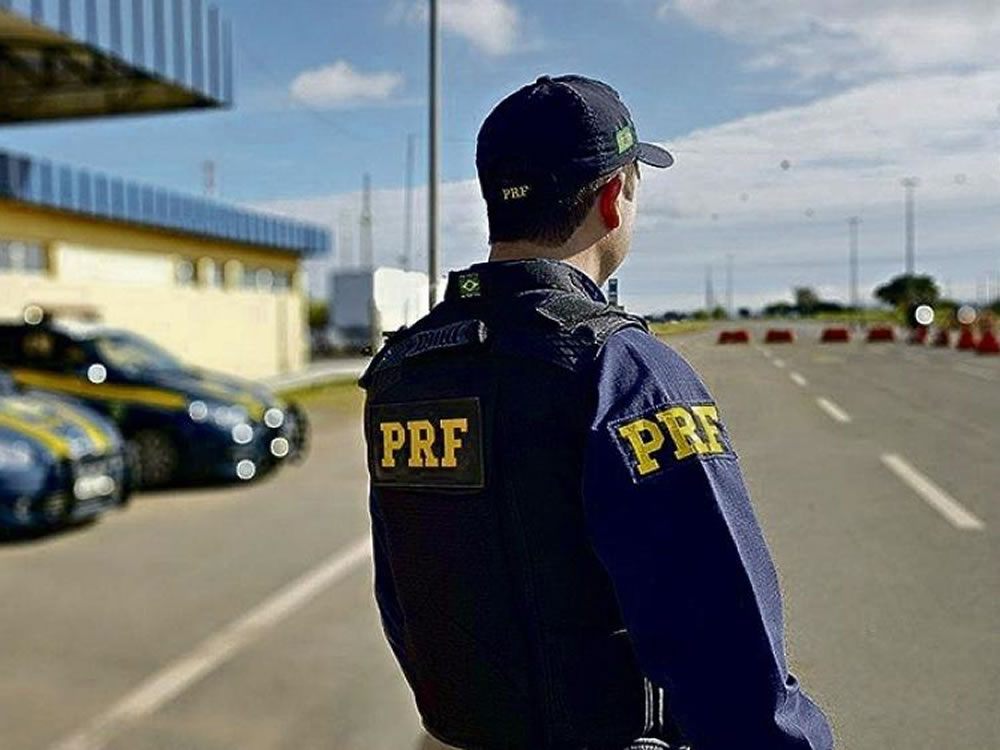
[779, 363]
[833, 411]
[174, 679]
[933, 495]
[798, 379]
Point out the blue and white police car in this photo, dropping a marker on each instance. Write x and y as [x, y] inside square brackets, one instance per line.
[182, 424]
[60, 463]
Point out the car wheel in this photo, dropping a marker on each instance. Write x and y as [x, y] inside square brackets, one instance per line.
[156, 456]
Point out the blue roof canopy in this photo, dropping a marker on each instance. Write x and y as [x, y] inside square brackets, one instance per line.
[64, 59]
[41, 183]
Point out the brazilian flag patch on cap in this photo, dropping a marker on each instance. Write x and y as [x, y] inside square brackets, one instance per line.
[625, 138]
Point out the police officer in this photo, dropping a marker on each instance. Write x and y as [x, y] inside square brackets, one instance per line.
[565, 552]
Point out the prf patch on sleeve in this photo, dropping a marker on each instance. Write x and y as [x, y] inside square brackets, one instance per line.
[427, 444]
[668, 436]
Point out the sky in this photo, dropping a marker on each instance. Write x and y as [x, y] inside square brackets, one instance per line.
[786, 118]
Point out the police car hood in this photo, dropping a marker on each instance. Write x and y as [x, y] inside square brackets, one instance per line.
[216, 387]
[62, 429]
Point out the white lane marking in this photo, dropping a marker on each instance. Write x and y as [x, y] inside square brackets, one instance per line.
[975, 372]
[766, 352]
[798, 379]
[779, 363]
[174, 679]
[834, 411]
[933, 495]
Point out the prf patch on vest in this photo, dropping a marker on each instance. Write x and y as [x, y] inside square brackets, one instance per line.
[427, 444]
[669, 436]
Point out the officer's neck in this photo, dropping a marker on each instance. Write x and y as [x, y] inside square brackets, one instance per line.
[585, 259]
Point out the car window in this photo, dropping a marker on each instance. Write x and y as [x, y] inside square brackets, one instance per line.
[38, 349]
[133, 354]
[10, 345]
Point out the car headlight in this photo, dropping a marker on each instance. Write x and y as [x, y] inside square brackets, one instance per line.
[198, 411]
[242, 434]
[228, 416]
[16, 456]
[221, 415]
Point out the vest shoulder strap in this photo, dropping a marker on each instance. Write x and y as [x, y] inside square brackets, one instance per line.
[597, 320]
[416, 342]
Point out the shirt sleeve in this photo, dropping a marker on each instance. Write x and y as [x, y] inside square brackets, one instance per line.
[670, 518]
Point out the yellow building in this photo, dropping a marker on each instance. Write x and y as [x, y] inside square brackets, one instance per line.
[217, 285]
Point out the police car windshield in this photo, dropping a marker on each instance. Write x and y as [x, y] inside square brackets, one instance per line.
[133, 354]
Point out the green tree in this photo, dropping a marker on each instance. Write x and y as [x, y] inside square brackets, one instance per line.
[903, 291]
[319, 314]
[806, 300]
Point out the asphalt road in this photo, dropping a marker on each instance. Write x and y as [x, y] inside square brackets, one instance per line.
[223, 619]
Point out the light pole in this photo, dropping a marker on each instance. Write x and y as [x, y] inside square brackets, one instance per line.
[729, 284]
[407, 258]
[853, 223]
[432, 154]
[911, 183]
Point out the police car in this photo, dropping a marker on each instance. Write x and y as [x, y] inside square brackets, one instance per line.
[182, 424]
[60, 463]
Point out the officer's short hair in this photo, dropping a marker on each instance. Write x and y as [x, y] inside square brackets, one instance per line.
[551, 224]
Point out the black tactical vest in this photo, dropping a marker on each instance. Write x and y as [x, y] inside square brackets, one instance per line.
[476, 421]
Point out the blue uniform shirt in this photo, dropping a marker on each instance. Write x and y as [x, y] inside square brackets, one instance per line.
[669, 516]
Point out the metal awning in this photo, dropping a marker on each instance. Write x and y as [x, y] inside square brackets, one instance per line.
[42, 184]
[67, 59]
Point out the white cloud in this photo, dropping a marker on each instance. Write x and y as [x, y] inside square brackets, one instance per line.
[494, 26]
[852, 39]
[846, 154]
[341, 85]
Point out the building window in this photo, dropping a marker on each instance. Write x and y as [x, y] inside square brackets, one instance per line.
[184, 272]
[22, 257]
[248, 280]
[264, 278]
[282, 281]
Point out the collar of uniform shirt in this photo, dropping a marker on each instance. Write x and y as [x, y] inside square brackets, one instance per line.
[507, 277]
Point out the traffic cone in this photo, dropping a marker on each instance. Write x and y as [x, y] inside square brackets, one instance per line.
[988, 344]
[966, 340]
[918, 335]
[943, 338]
[880, 334]
[838, 335]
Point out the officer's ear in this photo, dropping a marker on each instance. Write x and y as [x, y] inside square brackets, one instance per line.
[607, 202]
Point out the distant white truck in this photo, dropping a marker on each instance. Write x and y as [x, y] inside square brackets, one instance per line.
[364, 304]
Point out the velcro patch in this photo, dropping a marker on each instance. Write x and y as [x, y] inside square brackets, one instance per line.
[427, 444]
[668, 436]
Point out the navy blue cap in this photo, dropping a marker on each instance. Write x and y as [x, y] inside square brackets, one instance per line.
[555, 136]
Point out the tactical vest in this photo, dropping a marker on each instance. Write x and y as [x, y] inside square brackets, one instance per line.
[476, 421]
